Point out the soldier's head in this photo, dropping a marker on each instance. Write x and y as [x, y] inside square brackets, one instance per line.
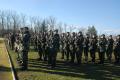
[110, 37]
[26, 29]
[118, 37]
[56, 31]
[73, 33]
[80, 33]
[21, 30]
[103, 36]
[93, 36]
[63, 34]
[68, 33]
[87, 35]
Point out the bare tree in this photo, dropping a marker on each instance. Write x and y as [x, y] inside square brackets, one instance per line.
[65, 27]
[52, 22]
[16, 21]
[2, 21]
[23, 20]
[60, 28]
[83, 30]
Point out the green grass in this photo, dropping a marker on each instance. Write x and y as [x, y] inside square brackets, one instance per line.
[38, 70]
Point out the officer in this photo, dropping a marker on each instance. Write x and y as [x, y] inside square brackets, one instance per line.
[25, 44]
[109, 48]
[117, 49]
[55, 48]
[79, 43]
[86, 47]
[102, 48]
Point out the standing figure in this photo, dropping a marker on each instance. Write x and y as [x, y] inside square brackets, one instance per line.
[109, 48]
[62, 45]
[86, 47]
[25, 49]
[44, 45]
[12, 40]
[117, 49]
[79, 46]
[67, 46]
[39, 41]
[93, 47]
[72, 47]
[102, 48]
[55, 48]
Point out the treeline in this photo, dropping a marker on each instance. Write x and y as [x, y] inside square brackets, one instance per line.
[11, 21]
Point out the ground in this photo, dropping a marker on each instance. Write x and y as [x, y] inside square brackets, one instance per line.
[38, 70]
[5, 69]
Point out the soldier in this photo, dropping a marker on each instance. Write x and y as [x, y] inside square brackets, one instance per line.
[102, 48]
[55, 48]
[86, 47]
[109, 48]
[72, 47]
[49, 41]
[25, 44]
[47, 46]
[9, 39]
[93, 47]
[44, 45]
[117, 49]
[67, 45]
[79, 43]
[12, 40]
[62, 42]
[36, 42]
[39, 47]
[19, 46]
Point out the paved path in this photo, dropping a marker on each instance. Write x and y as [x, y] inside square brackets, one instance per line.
[5, 66]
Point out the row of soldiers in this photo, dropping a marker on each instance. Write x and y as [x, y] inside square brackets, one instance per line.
[72, 46]
[47, 44]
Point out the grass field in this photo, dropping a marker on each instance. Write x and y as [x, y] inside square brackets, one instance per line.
[38, 70]
[5, 69]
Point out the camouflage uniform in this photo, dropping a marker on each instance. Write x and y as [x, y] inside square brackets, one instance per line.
[109, 48]
[44, 45]
[86, 47]
[40, 47]
[93, 47]
[67, 45]
[72, 47]
[102, 48]
[117, 49]
[62, 45]
[79, 43]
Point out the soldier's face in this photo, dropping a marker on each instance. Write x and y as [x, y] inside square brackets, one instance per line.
[110, 37]
[118, 37]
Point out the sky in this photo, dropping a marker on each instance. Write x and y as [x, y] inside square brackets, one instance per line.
[103, 14]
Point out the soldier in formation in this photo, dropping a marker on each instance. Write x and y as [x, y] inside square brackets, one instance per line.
[72, 46]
